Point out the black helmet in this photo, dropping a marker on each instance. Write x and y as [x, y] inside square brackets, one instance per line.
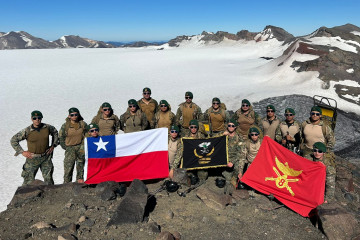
[122, 190]
[171, 186]
[194, 179]
[220, 183]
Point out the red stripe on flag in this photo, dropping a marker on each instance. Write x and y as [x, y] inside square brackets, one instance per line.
[144, 166]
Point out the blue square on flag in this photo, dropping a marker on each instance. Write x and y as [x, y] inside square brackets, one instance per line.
[101, 147]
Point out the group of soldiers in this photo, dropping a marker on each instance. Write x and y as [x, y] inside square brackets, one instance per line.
[313, 139]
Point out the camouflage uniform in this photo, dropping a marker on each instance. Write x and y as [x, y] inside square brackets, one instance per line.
[184, 114]
[133, 123]
[217, 120]
[149, 109]
[269, 127]
[73, 151]
[164, 119]
[246, 121]
[330, 176]
[250, 150]
[235, 151]
[311, 133]
[113, 121]
[173, 146]
[40, 159]
[292, 129]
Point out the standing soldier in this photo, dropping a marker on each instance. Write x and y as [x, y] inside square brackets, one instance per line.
[149, 106]
[187, 111]
[235, 149]
[39, 152]
[316, 130]
[288, 132]
[319, 150]
[72, 134]
[246, 118]
[174, 144]
[133, 120]
[165, 117]
[217, 117]
[270, 123]
[107, 121]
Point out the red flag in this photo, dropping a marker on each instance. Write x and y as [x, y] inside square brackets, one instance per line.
[295, 181]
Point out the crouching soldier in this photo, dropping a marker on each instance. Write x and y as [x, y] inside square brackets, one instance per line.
[39, 153]
[319, 150]
[288, 132]
[72, 134]
[235, 149]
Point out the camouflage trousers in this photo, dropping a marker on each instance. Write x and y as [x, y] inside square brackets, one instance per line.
[230, 175]
[32, 166]
[330, 183]
[72, 156]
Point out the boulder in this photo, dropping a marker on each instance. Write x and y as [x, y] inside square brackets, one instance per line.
[25, 194]
[212, 199]
[165, 236]
[132, 208]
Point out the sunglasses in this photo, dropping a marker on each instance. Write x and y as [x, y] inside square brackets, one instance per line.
[216, 103]
[106, 109]
[317, 150]
[74, 115]
[132, 106]
[254, 134]
[163, 105]
[269, 110]
[146, 93]
[231, 125]
[288, 114]
[187, 97]
[245, 105]
[192, 127]
[173, 131]
[314, 113]
[94, 130]
[34, 118]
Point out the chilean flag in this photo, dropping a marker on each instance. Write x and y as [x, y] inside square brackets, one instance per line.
[125, 157]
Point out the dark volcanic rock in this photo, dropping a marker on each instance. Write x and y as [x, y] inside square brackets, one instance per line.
[132, 207]
[25, 194]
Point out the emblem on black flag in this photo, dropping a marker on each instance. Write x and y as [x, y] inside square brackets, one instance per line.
[205, 152]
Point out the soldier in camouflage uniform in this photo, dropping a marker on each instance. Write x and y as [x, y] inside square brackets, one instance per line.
[319, 155]
[270, 123]
[149, 106]
[195, 134]
[71, 135]
[217, 117]
[165, 117]
[173, 146]
[288, 131]
[251, 148]
[39, 152]
[235, 149]
[107, 121]
[133, 120]
[246, 117]
[187, 111]
[316, 130]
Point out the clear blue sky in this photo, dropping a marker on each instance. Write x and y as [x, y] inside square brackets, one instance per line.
[163, 20]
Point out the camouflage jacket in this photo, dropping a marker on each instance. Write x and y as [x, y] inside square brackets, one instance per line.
[235, 148]
[139, 121]
[64, 130]
[23, 134]
[99, 116]
[327, 132]
[147, 109]
[179, 152]
[268, 128]
[179, 113]
[225, 115]
[248, 151]
[293, 130]
[157, 118]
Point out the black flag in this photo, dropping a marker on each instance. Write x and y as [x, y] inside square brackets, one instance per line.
[204, 153]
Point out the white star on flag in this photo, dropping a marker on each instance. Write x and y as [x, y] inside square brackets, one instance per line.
[101, 145]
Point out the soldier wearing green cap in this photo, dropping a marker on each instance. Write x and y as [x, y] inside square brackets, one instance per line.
[316, 130]
[235, 151]
[173, 146]
[319, 155]
[71, 135]
[288, 131]
[40, 150]
[133, 120]
[187, 111]
[251, 147]
[107, 121]
[164, 117]
[246, 117]
[217, 117]
[149, 106]
[270, 123]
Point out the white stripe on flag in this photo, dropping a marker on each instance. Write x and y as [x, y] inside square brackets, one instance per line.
[141, 142]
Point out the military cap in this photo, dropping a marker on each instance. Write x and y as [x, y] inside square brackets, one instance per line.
[254, 129]
[290, 110]
[106, 104]
[132, 102]
[189, 94]
[316, 109]
[164, 102]
[147, 90]
[215, 99]
[36, 113]
[174, 127]
[245, 101]
[194, 122]
[91, 126]
[270, 107]
[320, 146]
[234, 122]
[73, 109]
